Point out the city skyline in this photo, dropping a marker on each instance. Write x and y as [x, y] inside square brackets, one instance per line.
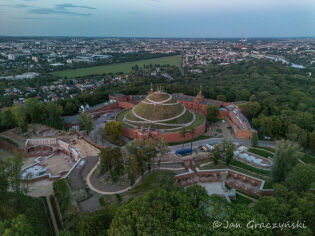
[158, 18]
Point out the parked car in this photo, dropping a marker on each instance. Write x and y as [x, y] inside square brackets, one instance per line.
[184, 152]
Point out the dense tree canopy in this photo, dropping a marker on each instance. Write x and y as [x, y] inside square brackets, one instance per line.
[86, 122]
[212, 113]
[113, 129]
[286, 157]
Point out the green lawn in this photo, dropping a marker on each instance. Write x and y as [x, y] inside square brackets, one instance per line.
[260, 152]
[118, 67]
[241, 200]
[199, 121]
[202, 137]
[159, 179]
[120, 117]
[308, 159]
[267, 148]
[249, 168]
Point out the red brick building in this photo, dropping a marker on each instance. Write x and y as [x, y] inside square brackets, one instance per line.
[228, 111]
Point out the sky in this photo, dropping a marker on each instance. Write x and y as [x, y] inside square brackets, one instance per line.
[158, 18]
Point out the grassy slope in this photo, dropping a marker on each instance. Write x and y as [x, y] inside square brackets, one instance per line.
[36, 211]
[260, 152]
[158, 112]
[118, 67]
[158, 97]
[4, 154]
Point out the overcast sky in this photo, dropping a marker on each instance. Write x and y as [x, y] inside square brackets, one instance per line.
[158, 18]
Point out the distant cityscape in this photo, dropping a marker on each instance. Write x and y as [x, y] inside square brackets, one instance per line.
[28, 58]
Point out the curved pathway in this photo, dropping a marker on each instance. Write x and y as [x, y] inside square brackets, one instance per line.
[172, 148]
[88, 181]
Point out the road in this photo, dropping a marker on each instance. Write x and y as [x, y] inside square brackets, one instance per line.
[196, 144]
[98, 126]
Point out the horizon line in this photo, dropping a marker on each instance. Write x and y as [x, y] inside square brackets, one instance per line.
[160, 37]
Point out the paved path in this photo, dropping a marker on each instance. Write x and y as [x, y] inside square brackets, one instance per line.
[88, 180]
[52, 216]
[104, 192]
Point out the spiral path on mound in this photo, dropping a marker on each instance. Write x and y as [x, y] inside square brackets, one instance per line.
[162, 122]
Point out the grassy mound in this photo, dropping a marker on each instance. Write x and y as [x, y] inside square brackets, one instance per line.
[157, 111]
[158, 97]
[149, 110]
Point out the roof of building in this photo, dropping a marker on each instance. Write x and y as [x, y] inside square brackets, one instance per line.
[75, 119]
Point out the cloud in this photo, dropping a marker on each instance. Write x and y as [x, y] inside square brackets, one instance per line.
[132, 12]
[20, 6]
[25, 18]
[44, 11]
[61, 9]
[69, 5]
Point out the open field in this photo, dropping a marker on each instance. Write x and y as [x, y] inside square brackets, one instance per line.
[118, 67]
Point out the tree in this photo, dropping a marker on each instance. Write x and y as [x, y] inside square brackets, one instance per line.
[229, 153]
[97, 222]
[70, 108]
[297, 134]
[4, 184]
[111, 160]
[254, 139]
[212, 114]
[19, 114]
[285, 158]
[221, 98]
[161, 147]
[286, 206]
[18, 226]
[252, 109]
[163, 212]
[216, 153]
[301, 177]
[183, 132]
[227, 148]
[7, 119]
[312, 141]
[113, 129]
[86, 122]
[35, 110]
[14, 167]
[132, 168]
[54, 112]
[192, 132]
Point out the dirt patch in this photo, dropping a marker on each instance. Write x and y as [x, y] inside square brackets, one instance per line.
[85, 148]
[40, 188]
[58, 163]
[220, 130]
[34, 132]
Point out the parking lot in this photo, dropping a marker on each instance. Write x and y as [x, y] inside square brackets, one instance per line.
[98, 127]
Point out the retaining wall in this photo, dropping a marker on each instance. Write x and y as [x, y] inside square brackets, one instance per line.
[170, 137]
[88, 140]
